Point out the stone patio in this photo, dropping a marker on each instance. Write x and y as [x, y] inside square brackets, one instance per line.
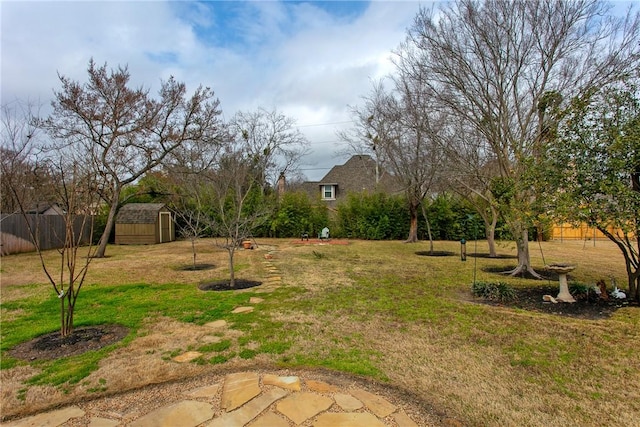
[254, 400]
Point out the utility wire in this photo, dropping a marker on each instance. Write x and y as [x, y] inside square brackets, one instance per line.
[326, 124]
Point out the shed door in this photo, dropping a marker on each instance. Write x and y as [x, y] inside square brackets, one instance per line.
[165, 227]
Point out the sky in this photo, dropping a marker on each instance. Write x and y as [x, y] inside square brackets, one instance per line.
[311, 61]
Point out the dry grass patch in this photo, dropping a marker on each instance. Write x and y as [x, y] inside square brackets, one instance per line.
[487, 365]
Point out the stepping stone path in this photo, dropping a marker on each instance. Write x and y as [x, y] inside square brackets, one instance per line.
[251, 399]
[272, 282]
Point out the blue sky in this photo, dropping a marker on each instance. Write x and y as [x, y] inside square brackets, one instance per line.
[310, 60]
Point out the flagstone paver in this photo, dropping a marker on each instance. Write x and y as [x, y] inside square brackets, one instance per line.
[352, 419]
[187, 357]
[103, 422]
[347, 402]
[188, 413]
[299, 407]
[321, 386]
[255, 300]
[216, 324]
[210, 339]
[239, 310]
[403, 420]
[51, 418]
[238, 389]
[290, 383]
[269, 420]
[206, 391]
[376, 404]
[248, 412]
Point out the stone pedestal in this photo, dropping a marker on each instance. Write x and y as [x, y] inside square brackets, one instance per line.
[562, 270]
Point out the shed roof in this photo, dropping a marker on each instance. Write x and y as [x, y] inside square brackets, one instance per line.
[139, 213]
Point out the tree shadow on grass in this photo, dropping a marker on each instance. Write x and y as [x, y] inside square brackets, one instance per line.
[504, 270]
[486, 255]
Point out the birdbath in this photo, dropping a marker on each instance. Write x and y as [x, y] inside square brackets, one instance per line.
[562, 270]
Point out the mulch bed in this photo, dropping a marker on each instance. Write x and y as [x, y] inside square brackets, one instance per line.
[225, 285]
[54, 345]
[590, 307]
[197, 267]
[435, 253]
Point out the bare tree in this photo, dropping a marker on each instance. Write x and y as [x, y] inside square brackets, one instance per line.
[490, 63]
[20, 180]
[272, 141]
[470, 170]
[58, 178]
[237, 198]
[401, 127]
[123, 132]
[186, 174]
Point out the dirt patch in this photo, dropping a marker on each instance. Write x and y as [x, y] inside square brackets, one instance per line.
[225, 285]
[586, 307]
[53, 346]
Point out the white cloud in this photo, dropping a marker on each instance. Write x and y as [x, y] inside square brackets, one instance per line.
[305, 59]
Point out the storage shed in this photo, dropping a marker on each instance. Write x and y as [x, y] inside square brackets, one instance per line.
[144, 224]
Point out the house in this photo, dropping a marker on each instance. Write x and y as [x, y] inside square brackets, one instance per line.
[44, 208]
[360, 173]
[144, 224]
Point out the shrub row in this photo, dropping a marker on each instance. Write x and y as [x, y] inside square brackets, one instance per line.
[370, 216]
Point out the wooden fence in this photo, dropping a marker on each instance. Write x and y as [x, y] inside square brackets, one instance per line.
[581, 232]
[49, 231]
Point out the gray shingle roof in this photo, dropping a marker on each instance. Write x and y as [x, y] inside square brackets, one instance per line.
[359, 174]
[139, 213]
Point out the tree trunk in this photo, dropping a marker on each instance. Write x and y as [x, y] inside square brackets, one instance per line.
[631, 258]
[524, 258]
[426, 220]
[413, 227]
[63, 323]
[634, 286]
[66, 311]
[430, 236]
[232, 276]
[111, 219]
[490, 231]
[193, 249]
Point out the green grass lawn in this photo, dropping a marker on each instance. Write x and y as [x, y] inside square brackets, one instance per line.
[374, 309]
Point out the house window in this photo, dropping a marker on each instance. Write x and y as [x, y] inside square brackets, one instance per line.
[328, 192]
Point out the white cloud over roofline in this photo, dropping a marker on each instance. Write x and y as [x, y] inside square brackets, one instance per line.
[308, 61]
